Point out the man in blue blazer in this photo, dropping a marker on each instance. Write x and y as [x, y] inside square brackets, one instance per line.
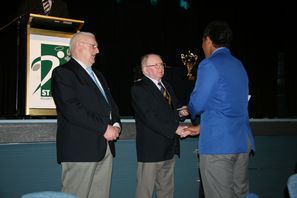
[220, 96]
[88, 121]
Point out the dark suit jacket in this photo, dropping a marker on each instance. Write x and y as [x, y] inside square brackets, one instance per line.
[156, 122]
[83, 114]
[59, 8]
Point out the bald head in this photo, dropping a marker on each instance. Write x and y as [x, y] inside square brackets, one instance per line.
[152, 66]
[84, 47]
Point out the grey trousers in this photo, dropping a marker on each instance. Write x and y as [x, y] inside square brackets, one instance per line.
[155, 176]
[88, 179]
[225, 176]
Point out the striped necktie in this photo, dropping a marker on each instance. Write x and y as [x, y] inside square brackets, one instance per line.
[165, 93]
[92, 74]
[46, 6]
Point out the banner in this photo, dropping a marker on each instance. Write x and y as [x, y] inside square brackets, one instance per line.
[46, 53]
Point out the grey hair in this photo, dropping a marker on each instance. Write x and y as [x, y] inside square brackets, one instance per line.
[77, 37]
[144, 58]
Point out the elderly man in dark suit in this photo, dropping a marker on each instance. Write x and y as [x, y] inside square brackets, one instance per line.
[88, 121]
[158, 130]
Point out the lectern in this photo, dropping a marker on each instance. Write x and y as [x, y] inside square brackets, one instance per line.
[47, 47]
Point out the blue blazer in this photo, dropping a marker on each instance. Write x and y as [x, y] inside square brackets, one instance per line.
[220, 96]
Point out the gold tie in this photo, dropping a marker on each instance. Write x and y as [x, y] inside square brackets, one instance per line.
[165, 93]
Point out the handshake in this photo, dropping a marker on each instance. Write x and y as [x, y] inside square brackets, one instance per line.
[184, 131]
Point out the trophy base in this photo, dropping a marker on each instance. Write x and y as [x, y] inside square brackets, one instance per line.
[191, 77]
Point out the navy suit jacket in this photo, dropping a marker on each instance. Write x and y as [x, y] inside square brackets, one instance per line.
[59, 8]
[156, 122]
[83, 114]
[221, 97]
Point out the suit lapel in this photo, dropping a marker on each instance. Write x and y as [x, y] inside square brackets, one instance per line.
[103, 84]
[154, 89]
[85, 77]
[157, 93]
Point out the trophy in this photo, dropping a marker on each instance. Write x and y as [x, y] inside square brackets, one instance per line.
[189, 60]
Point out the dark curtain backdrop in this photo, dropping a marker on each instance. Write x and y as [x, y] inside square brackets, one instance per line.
[264, 39]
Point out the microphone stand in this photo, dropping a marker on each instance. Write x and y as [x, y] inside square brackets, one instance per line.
[18, 22]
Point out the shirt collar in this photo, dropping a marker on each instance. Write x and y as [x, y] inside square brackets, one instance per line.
[155, 81]
[81, 63]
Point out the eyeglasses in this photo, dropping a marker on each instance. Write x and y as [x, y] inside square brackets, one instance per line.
[90, 44]
[157, 65]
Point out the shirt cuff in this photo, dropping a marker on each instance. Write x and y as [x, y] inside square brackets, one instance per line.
[116, 124]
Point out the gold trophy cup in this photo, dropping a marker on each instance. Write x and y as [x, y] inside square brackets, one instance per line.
[189, 60]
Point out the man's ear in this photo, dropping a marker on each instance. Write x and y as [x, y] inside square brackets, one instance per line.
[144, 70]
[208, 40]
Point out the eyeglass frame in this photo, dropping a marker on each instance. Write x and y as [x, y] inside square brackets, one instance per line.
[94, 46]
[157, 65]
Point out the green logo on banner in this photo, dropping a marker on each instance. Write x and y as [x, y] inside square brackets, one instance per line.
[51, 57]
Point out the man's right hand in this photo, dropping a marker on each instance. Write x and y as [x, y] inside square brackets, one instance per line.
[111, 133]
[193, 130]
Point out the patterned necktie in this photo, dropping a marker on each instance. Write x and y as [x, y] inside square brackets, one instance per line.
[46, 6]
[165, 93]
[92, 74]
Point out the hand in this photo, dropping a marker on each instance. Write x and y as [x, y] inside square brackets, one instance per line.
[181, 131]
[193, 130]
[183, 111]
[118, 129]
[111, 133]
